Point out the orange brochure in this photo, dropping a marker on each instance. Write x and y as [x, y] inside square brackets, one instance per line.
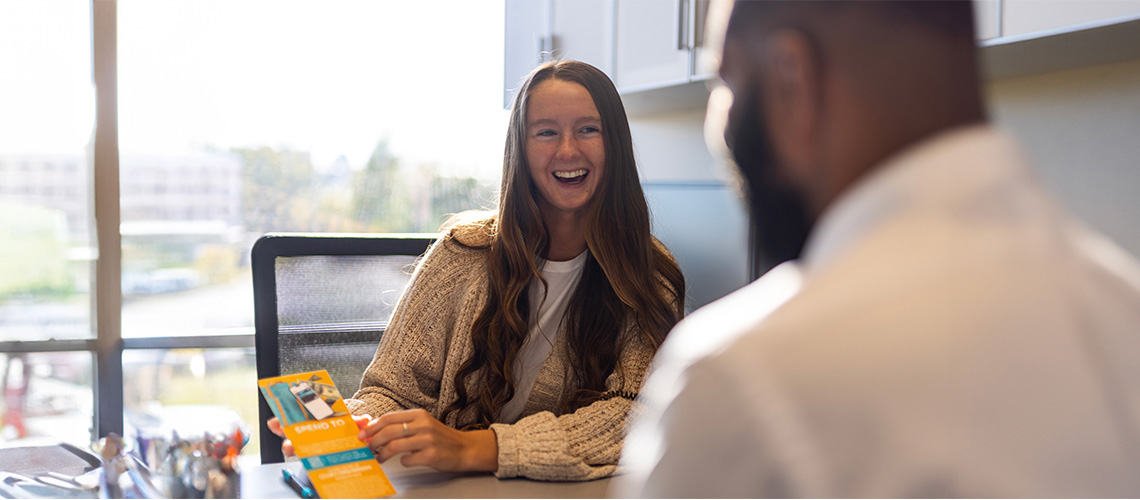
[324, 436]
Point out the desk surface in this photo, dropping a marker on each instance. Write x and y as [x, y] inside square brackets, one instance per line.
[264, 481]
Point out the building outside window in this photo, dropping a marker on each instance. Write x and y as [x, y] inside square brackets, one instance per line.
[234, 119]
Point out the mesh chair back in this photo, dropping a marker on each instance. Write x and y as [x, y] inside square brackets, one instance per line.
[322, 302]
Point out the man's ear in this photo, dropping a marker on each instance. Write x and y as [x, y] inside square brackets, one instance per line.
[792, 90]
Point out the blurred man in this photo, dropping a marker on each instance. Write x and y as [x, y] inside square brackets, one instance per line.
[944, 328]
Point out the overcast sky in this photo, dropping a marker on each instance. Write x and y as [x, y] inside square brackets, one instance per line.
[329, 77]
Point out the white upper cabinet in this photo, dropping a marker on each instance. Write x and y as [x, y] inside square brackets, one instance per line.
[640, 44]
[538, 31]
[653, 40]
[1041, 36]
[653, 49]
[1020, 17]
[526, 41]
[584, 31]
[701, 69]
[987, 19]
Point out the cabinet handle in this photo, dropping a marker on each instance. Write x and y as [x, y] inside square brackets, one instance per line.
[682, 24]
[545, 48]
[700, 17]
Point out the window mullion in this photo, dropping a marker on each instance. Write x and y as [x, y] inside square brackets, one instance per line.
[108, 293]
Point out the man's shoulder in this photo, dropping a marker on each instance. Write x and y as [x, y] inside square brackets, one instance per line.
[714, 326]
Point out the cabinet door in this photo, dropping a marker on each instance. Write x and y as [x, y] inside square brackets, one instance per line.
[987, 16]
[584, 31]
[652, 39]
[704, 63]
[1027, 16]
[526, 41]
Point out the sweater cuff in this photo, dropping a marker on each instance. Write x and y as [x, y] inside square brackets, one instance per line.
[355, 406]
[507, 439]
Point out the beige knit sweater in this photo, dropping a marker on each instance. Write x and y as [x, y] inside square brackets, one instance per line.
[429, 337]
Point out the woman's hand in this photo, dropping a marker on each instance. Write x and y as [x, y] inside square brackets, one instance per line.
[429, 442]
[287, 446]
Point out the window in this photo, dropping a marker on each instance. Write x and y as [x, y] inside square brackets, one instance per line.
[46, 114]
[234, 119]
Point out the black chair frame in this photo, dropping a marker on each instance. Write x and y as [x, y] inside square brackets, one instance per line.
[263, 260]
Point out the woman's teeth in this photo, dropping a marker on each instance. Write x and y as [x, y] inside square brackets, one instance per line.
[571, 177]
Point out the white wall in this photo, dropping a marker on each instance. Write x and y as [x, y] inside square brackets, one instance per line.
[670, 147]
[695, 206]
[1082, 128]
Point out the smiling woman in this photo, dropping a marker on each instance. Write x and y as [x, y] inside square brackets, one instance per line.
[520, 344]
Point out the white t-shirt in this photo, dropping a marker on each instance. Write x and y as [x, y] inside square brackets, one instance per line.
[545, 325]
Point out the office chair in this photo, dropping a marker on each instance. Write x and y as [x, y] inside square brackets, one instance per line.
[322, 301]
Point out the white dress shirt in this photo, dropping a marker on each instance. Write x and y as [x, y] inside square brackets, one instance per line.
[950, 331]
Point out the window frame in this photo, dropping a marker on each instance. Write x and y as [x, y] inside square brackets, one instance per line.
[108, 345]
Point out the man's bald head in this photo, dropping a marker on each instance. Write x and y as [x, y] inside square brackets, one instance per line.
[825, 90]
[951, 18]
[909, 42]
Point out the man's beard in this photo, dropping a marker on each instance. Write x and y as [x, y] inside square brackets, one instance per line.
[780, 220]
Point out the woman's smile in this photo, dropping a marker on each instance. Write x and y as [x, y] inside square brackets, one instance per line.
[572, 176]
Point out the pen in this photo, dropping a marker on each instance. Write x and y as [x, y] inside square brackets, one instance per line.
[302, 491]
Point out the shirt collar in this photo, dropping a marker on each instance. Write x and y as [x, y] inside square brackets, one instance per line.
[562, 266]
[942, 166]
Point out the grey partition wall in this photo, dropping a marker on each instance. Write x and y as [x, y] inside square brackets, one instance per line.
[705, 225]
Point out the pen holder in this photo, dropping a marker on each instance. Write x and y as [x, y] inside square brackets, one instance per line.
[204, 467]
[159, 463]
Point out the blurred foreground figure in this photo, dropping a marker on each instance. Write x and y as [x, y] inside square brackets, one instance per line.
[942, 328]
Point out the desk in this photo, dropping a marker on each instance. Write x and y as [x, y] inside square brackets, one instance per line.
[264, 481]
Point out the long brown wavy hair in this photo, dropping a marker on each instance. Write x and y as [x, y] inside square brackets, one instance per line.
[628, 278]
